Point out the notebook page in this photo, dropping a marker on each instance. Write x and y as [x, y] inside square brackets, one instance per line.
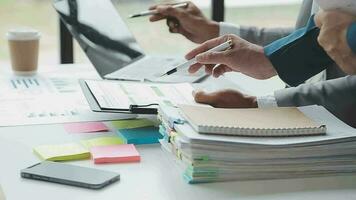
[337, 131]
[255, 118]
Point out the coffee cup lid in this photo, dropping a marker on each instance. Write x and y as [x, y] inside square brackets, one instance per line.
[23, 34]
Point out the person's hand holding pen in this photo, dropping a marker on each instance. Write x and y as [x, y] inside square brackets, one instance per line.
[243, 57]
[188, 21]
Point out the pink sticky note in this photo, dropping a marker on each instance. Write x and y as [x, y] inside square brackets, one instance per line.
[85, 127]
[115, 154]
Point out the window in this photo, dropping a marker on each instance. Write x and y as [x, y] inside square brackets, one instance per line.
[262, 13]
[153, 37]
[37, 14]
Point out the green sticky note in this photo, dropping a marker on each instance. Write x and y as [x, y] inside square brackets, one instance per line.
[132, 123]
[102, 141]
[62, 152]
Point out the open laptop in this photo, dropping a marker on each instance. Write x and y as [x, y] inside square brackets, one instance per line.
[111, 47]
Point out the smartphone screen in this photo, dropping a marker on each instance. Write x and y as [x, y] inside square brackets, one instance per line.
[70, 175]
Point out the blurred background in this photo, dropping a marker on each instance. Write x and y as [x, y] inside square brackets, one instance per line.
[154, 38]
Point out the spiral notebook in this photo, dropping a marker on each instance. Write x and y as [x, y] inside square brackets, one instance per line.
[286, 121]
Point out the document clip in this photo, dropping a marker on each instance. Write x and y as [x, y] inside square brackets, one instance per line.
[142, 109]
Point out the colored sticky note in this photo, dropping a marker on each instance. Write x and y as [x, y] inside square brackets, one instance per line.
[85, 127]
[132, 123]
[115, 154]
[62, 152]
[146, 135]
[102, 141]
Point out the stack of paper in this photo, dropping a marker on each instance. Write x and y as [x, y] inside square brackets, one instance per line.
[211, 158]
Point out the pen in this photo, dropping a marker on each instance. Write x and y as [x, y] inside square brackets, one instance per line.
[153, 12]
[221, 47]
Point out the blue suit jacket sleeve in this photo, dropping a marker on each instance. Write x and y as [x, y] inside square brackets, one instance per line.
[351, 37]
[298, 56]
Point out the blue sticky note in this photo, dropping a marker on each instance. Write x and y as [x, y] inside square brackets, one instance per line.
[145, 135]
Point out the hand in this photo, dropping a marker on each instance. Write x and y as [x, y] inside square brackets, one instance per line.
[333, 28]
[243, 57]
[226, 99]
[190, 22]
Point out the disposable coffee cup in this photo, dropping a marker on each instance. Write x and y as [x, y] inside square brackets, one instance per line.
[24, 47]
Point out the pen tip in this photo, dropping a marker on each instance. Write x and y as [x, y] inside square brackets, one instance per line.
[133, 16]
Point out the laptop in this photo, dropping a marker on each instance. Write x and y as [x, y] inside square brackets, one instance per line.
[111, 47]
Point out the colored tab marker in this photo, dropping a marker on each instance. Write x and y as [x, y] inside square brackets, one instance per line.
[62, 152]
[132, 123]
[86, 127]
[147, 135]
[115, 154]
[101, 141]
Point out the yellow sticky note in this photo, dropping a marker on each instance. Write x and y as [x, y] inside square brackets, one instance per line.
[132, 123]
[102, 141]
[62, 152]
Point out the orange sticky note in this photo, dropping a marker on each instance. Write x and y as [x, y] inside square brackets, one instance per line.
[115, 154]
[85, 127]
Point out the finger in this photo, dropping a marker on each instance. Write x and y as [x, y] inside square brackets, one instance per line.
[209, 69]
[220, 70]
[205, 46]
[172, 22]
[156, 17]
[153, 7]
[194, 68]
[212, 58]
[206, 98]
[173, 30]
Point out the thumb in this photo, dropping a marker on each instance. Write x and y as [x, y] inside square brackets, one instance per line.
[205, 98]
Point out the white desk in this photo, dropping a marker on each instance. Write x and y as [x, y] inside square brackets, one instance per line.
[156, 177]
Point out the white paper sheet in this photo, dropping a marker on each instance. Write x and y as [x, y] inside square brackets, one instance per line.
[51, 96]
[120, 95]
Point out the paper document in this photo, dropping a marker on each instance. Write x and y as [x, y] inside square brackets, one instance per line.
[120, 95]
[52, 96]
[343, 5]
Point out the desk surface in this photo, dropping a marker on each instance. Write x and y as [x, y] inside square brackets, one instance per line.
[155, 177]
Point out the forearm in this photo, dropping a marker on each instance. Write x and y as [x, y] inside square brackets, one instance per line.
[337, 95]
[260, 36]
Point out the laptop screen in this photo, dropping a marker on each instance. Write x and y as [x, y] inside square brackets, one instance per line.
[101, 33]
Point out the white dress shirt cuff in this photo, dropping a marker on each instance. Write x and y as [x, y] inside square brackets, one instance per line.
[227, 28]
[268, 101]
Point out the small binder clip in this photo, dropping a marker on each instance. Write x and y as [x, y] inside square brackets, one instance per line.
[142, 109]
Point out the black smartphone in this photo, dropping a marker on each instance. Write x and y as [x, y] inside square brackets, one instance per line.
[70, 175]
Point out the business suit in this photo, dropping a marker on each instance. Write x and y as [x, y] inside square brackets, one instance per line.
[337, 94]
